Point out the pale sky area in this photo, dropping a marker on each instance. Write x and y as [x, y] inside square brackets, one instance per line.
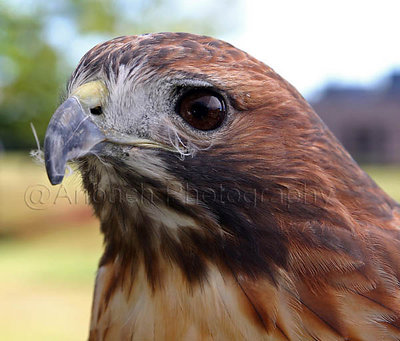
[308, 42]
[313, 42]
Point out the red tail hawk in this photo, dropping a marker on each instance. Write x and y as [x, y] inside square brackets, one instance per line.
[229, 210]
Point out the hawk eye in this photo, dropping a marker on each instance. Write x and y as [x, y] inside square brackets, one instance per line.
[96, 110]
[203, 109]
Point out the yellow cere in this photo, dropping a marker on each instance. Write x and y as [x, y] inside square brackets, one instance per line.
[91, 94]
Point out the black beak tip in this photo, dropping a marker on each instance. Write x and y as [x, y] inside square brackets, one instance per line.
[56, 179]
[55, 174]
[54, 162]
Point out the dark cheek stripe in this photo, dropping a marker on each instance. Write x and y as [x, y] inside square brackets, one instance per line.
[250, 242]
[257, 244]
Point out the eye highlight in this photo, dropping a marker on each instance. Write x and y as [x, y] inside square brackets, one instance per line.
[203, 109]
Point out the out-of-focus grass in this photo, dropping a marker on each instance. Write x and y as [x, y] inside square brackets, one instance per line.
[387, 177]
[47, 283]
[49, 249]
[49, 255]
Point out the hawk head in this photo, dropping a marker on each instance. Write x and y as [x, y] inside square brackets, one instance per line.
[194, 153]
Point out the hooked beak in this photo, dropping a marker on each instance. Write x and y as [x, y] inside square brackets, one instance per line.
[70, 134]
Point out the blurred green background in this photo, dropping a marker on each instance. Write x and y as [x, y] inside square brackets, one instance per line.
[49, 240]
[41, 42]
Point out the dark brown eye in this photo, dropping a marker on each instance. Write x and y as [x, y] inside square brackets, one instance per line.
[202, 109]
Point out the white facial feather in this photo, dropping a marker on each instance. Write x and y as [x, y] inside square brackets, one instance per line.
[143, 106]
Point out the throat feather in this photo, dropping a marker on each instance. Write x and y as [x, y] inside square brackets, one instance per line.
[182, 225]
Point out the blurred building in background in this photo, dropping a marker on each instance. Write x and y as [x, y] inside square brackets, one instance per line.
[366, 121]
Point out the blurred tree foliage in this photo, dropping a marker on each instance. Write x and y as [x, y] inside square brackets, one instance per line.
[40, 41]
